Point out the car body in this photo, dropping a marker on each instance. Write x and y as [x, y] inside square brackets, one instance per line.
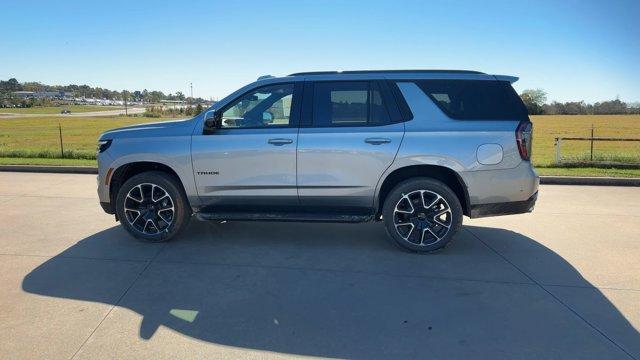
[333, 146]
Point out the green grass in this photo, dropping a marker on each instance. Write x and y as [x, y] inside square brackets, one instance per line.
[49, 154]
[588, 171]
[37, 137]
[36, 161]
[608, 157]
[57, 109]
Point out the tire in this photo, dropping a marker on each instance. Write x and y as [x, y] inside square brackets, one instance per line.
[416, 227]
[152, 206]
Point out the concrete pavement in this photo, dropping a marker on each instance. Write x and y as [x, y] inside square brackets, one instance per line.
[562, 282]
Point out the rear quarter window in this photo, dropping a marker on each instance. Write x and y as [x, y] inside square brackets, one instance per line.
[475, 99]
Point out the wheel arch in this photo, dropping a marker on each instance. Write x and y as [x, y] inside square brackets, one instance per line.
[125, 171]
[447, 175]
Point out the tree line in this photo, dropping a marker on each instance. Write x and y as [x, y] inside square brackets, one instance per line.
[534, 99]
[7, 89]
[536, 102]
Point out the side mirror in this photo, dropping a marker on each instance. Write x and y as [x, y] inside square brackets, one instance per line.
[210, 122]
[267, 117]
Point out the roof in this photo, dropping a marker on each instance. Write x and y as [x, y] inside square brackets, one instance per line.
[387, 71]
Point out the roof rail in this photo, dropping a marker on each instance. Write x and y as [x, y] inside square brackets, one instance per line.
[265, 77]
[385, 71]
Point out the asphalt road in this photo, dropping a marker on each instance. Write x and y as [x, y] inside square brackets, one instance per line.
[562, 282]
[130, 111]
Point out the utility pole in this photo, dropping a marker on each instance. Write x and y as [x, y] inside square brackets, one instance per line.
[191, 86]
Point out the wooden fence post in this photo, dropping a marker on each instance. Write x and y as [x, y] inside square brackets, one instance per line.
[61, 146]
[591, 142]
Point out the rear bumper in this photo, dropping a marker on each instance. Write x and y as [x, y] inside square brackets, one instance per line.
[516, 184]
[506, 208]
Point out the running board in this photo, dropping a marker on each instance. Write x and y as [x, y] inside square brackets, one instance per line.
[298, 217]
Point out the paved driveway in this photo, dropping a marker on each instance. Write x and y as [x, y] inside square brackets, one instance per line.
[563, 282]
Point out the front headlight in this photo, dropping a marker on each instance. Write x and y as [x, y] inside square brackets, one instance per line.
[103, 145]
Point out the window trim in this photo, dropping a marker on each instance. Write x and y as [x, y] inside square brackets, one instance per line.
[294, 113]
[401, 103]
[308, 120]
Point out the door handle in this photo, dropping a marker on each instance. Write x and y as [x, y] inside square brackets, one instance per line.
[377, 141]
[280, 141]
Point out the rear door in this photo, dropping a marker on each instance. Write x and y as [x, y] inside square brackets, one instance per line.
[346, 141]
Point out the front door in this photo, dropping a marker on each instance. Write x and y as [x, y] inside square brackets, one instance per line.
[250, 158]
[346, 145]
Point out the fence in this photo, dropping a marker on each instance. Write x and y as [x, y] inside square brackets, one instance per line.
[611, 159]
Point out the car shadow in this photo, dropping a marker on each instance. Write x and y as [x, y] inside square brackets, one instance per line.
[339, 291]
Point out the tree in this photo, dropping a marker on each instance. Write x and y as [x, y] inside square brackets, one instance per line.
[10, 85]
[534, 99]
[610, 107]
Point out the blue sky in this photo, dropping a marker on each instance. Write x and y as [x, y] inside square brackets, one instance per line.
[575, 50]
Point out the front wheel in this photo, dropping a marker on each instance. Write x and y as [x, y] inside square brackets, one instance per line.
[422, 214]
[152, 206]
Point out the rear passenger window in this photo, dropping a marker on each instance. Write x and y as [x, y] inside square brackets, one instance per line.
[475, 99]
[348, 103]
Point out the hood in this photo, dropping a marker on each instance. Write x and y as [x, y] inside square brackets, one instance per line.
[154, 129]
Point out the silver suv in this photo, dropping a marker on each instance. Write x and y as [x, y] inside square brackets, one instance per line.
[415, 149]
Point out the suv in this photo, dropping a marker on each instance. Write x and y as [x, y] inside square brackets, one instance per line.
[415, 149]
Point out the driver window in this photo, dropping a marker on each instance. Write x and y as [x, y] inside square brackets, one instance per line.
[268, 106]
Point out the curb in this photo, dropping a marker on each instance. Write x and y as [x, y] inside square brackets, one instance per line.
[544, 180]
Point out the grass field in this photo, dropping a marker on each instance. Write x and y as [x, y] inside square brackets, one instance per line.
[36, 136]
[57, 109]
[23, 139]
[547, 127]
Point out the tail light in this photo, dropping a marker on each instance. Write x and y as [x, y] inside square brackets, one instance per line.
[524, 136]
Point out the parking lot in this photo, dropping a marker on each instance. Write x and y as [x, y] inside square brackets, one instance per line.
[562, 282]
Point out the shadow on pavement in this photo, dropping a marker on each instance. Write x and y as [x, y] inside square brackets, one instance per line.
[336, 291]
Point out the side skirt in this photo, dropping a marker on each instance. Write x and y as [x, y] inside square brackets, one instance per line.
[284, 216]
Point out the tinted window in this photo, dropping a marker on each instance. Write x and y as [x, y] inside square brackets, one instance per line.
[266, 107]
[475, 99]
[348, 103]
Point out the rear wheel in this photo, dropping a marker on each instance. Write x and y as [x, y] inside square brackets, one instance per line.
[152, 206]
[422, 214]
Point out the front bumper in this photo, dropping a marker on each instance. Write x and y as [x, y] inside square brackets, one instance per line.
[106, 206]
[105, 171]
[506, 208]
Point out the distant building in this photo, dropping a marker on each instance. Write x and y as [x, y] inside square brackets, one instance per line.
[23, 94]
[60, 95]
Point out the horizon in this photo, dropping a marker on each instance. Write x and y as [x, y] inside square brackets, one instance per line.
[549, 102]
[573, 51]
